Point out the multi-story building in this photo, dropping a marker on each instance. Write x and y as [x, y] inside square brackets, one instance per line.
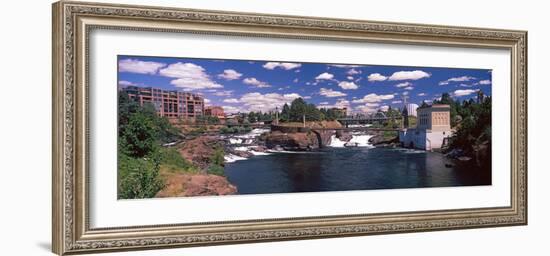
[433, 128]
[171, 104]
[214, 111]
[341, 111]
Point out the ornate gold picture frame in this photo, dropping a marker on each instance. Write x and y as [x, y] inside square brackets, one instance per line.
[72, 24]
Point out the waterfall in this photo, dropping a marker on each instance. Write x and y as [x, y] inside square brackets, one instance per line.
[357, 140]
[335, 142]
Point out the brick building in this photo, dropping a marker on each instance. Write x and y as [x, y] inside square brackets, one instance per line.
[214, 111]
[171, 104]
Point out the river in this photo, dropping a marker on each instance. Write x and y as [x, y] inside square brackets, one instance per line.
[339, 168]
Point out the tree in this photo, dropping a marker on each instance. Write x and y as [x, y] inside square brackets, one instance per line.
[475, 125]
[285, 113]
[312, 113]
[138, 136]
[252, 117]
[141, 131]
[424, 104]
[298, 108]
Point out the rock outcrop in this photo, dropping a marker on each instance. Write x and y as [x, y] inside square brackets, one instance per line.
[343, 136]
[177, 185]
[199, 150]
[300, 138]
[292, 141]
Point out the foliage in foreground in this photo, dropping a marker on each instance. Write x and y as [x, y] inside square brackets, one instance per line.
[172, 161]
[217, 162]
[140, 133]
[138, 177]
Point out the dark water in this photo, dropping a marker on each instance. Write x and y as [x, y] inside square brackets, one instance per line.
[340, 169]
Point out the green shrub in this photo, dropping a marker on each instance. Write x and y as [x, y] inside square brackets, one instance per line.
[172, 160]
[216, 170]
[171, 156]
[197, 131]
[138, 177]
[217, 157]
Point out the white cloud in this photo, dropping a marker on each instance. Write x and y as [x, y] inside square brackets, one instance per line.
[376, 77]
[189, 76]
[348, 85]
[230, 74]
[223, 93]
[124, 83]
[370, 108]
[283, 65]
[295, 80]
[384, 108]
[396, 102]
[330, 93]
[349, 77]
[139, 67]
[232, 109]
[404, 84]
[373, 98]
[409, 88]
[207, 102]
[256, 101]
[485, 82]
[255, 82]
[457, 79]
[408, 75]
[344, 66]
[422, 94]
[459, 93]
[353, 71]
[405, 93]
[306, 97]
[325, 76]
[340, 103]
[231, 100]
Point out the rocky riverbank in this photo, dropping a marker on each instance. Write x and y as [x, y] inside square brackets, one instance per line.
[183, 184]
[199, 151]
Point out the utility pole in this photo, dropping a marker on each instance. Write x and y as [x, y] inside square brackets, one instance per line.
[405, 113]
[276, 115]
[304, 120]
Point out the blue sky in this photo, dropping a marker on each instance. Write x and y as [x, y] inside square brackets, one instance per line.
[251, 85]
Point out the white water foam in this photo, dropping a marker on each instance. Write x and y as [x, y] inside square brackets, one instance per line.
[252, 134]
[230, 158]
[362, 140]
[335, 142]
[257, 153]
[357, 140]
[235, 141]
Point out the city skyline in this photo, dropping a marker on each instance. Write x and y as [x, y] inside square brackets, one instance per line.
[244, 86]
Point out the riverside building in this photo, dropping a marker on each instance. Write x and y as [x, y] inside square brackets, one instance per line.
[433, 128]
[170, 104]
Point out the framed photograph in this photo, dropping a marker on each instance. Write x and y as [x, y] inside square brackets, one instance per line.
[178, 127]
